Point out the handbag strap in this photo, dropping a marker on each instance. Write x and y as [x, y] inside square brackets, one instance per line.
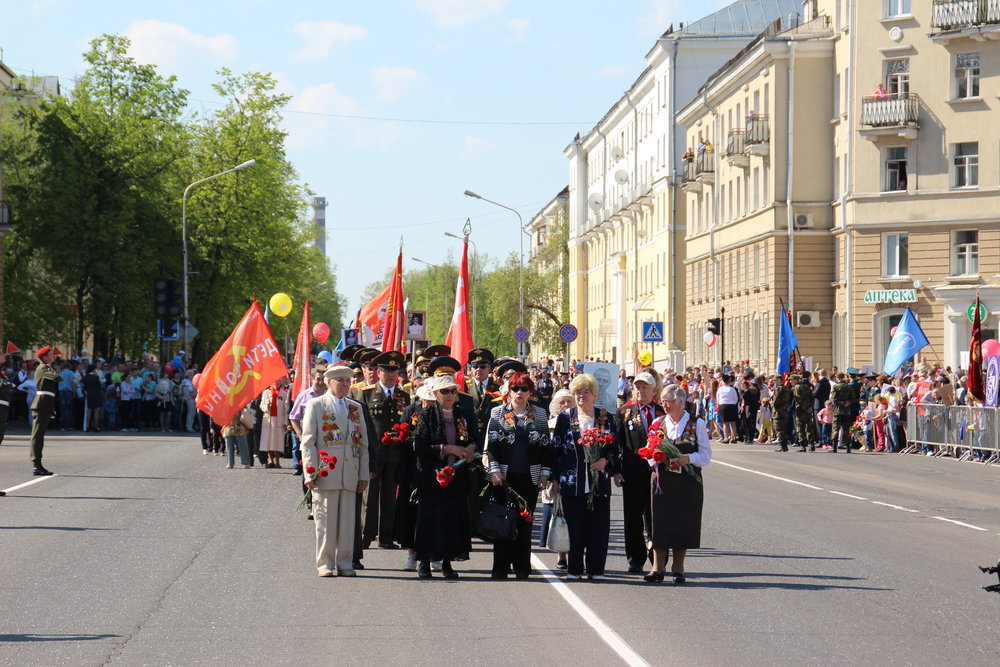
[558, 507]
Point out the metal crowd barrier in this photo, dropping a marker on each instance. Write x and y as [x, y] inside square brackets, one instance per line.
[965, 431]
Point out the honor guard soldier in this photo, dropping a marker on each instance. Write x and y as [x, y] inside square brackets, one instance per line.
[364, 359]
[844, 399]
[386, 402]
[805, 419]
[46, 385]
[348, 353]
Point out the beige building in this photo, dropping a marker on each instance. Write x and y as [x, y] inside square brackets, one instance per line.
[917, 222]
[757, 188]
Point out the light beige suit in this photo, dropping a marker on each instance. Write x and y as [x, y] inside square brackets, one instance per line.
[339, 431]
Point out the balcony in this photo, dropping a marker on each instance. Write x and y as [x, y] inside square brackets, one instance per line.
[890, 116]
[954, 19]
[758, 135]
[690, 182]
[704, 167]
[736, 147]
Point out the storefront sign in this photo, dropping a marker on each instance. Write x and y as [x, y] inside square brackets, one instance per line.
[992, 380]
[891, 296]
[970, 312]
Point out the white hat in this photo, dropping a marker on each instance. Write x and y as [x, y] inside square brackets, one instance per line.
[645, 377]
[424, 392]
[439, 382]
[338, 371]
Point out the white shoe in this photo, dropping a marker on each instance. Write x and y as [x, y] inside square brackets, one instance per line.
[411, 563]
[204, 452]
[229, 467]
[325, 572]
[435, 566]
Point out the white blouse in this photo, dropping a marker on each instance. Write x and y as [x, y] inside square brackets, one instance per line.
[674, 430]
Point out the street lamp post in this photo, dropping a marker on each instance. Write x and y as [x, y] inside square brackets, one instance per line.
[427, 284]
[520, 288]
[475, 253]
[248, 163]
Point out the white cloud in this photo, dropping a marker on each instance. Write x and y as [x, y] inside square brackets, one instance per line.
[322, 36]
[456, 13]
[391, 83]
[171, 46]
[613, 70]
[477, 147]
[309, 123]
[518, 29]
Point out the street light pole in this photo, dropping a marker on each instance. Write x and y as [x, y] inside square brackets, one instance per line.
[248, 163]
[521, 232]
[427, 284]
[467, 230]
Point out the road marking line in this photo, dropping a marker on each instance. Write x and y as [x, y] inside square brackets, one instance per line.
[895, 507]
[764, 474]
[29, 483]
[604, 631]
[847, 495]
[961, 523]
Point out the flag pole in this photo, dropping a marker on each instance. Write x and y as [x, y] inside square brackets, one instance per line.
[788, 314]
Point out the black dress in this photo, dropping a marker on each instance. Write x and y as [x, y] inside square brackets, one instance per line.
[678, 498]
[406, 480]
[442, 521]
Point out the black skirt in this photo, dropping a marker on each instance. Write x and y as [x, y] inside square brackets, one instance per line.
[442, 521]
[677, 503]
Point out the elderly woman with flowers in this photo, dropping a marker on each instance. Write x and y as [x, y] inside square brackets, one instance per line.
[586, 453]
[444, 443]
[517, 444]
[677, 449]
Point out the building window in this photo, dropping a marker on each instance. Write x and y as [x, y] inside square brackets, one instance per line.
[965, 253]
[966, 164]
[895, 168]
[897, 76]
[897, 8]
[895, 255]
[967, 75]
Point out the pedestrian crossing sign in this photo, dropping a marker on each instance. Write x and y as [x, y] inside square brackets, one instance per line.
[652, 332]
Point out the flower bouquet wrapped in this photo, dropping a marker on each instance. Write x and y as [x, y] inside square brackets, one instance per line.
[659, 449]
[593, 441]
[330, 463]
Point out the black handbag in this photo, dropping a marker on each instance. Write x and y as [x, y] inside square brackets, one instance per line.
[498, 517]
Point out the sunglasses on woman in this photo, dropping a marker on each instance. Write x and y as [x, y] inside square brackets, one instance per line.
[519, 388]
[448, 392]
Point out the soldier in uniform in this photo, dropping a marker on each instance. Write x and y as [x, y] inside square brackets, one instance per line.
[477, 385]
[46, 384]
[386, 402]
[782, 408]
[364, 358]
[844, 400]
[804, 418]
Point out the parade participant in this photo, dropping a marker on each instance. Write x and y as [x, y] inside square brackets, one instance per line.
[333, 423]
[635, 418]
[677, 498]
[783, 400]
[562, 400]
[805, 418]
[582, 476]
[844, 400]
[406, 475]
[6, 386]
[477, 385]
[385, 402]
[518, 447]
[318, 388]
[364, 358]
[273, 404]
[441, 439]
[46, 384]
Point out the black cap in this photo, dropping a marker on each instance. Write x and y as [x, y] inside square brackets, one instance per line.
[481, 355]
[393, 360]
[366, 355]
[444, 365]
[512, 365]
[347, 354]
[436, 351]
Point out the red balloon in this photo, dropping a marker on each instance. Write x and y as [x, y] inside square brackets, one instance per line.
[321, 332]
[169, 368]
[892, 332]
[991, 347]
[196, 380]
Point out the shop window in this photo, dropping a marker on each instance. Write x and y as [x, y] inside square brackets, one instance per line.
[895, 255]
[966, 164]
[965, 253]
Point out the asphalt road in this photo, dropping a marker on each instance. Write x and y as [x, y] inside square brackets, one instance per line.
[142, 551]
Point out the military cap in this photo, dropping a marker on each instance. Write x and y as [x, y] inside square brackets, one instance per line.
[497, 363]
[436, 351]
[366, 355]
[794, 378]
[480, 355]
[444, 365]
[853, 371]
[48, 348]
[512, 365]
[871, 376]
[393, 360]
[347, 354]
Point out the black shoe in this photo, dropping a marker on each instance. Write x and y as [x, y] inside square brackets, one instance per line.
[310, 518]
[358, 565]
[781, 449]
[298, 472]
[3, 493]
[498, 575]
[40, 472]
[812, 448]
[521, 575]
[635, 569]
[679, 578]
[388, 545]
[447, 571]
[424, 571]
[653, 577]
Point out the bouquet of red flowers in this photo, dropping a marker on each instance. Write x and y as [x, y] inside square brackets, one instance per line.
[397, 435]
[445, 476]
[659, 449]
[858, 430]
[330, 462]
[593, 441]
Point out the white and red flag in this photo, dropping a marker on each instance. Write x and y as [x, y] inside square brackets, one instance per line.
[303, 355]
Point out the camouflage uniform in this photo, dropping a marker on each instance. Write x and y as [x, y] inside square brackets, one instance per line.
[844, 401]
[805, 424]
[782, 406]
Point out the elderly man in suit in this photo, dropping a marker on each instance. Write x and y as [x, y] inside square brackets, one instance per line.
[335, 425]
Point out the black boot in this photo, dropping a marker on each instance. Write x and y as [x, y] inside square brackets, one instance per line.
[447, 571]
[424, 571]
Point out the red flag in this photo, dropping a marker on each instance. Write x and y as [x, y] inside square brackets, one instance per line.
[392, 331]
[11, 348]
[372, 315]
[460, 333]
[975, 379]
[303, 354]
[246, 364]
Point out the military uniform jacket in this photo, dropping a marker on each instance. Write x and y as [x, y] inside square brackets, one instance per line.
[782, 401]
[844, 399]
[803, 396]
[344, 436]
[46, 387]
[384, 415]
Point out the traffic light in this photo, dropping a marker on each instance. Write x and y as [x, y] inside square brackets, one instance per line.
[715, 325]
[166, 303]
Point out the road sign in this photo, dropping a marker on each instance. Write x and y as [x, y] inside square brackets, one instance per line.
[521, 334]
[652, 332]
[167, 329]
[568, 333]
[192, 331]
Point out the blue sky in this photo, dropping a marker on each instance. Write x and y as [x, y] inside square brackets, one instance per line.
[487, 68]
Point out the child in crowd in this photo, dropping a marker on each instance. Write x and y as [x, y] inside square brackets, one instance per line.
[765, 426]
[825, 418]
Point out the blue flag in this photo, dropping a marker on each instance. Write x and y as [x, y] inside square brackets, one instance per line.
[787, 342]
[909, 340]
[340, 347]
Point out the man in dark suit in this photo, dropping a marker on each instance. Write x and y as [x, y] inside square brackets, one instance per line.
[385, 402]
[46, 386]
[634, 419]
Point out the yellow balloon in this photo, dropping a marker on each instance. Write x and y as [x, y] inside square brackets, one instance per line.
[645, 358]
[281, 304]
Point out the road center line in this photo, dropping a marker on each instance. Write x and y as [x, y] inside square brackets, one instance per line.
[604, 631]
[30, 482]
[764, 474]
[895, 507]
[848, 495]
[961, 523]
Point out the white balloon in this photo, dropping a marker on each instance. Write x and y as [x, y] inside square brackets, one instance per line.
[710, 338]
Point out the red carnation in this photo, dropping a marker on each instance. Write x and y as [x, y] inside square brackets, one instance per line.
[658, 455]
[323, 453]
[643, 452]
[324, 472]
[331, 464]
[310, 469]
[332, 460]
